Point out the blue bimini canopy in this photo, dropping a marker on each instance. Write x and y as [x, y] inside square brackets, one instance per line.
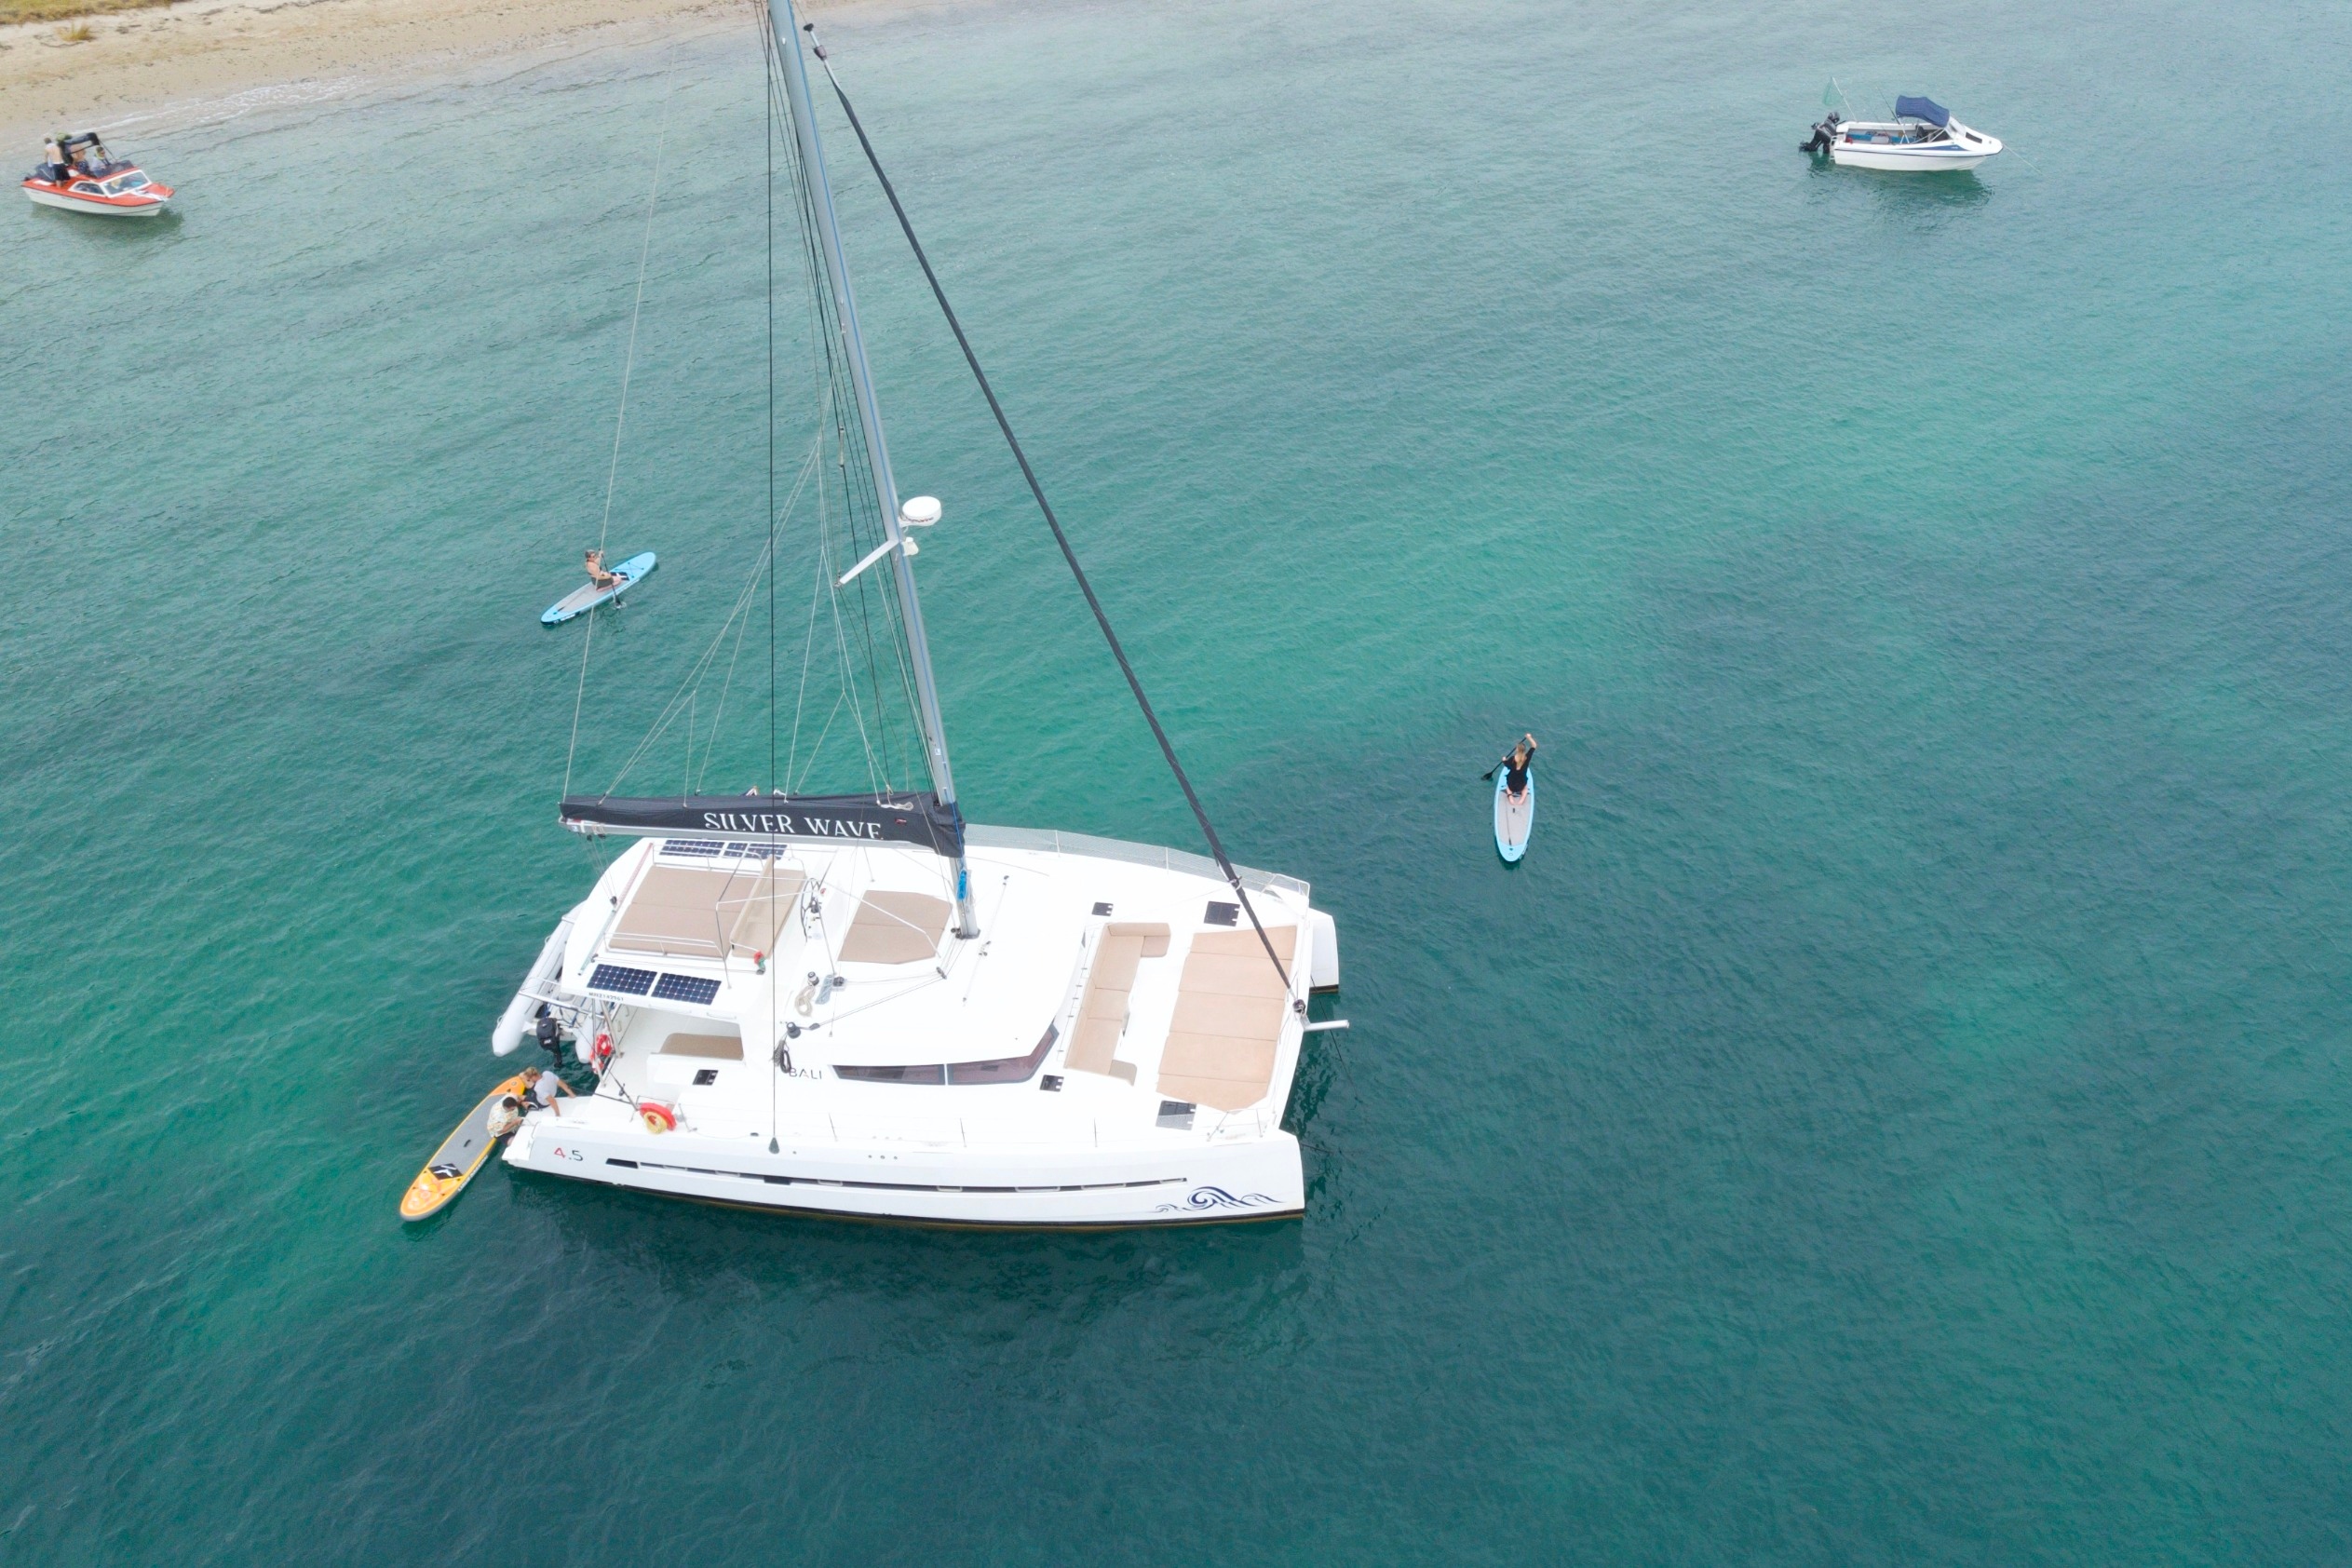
[1921, 109]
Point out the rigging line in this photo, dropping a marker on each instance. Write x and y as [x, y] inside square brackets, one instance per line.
[767, 30]
[767, 194]
[691, 683]
[831, 369]
[809, 644]
[833, 587]
[825, 340]
[818, 379]
[868, 588]
[848, 675]
[853, 491]
[739, 622]
[687, 686]
[818, 750]
[850, 522]
[628, 366]
[743, 624]
[1101, 618]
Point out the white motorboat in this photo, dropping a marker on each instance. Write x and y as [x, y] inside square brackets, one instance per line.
[858, 1004]
[1922, 137]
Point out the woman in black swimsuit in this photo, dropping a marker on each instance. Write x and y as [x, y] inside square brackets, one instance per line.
[1522, 757]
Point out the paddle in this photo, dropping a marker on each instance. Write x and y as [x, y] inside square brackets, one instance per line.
[1488, 777]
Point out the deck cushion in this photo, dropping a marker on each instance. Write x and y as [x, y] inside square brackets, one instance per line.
[895, 928]
[760, 903]
[1229, 1010]
[1102, 1006]
[716, 1047]
[688, 911]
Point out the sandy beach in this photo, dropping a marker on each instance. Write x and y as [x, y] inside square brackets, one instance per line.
[191, 61]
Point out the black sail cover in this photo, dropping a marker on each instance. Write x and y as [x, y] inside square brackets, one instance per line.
[915, 817]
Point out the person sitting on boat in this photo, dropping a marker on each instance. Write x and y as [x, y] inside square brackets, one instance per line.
[544, 1089]
[505, 1115]
[599, 575]
[1522, 757]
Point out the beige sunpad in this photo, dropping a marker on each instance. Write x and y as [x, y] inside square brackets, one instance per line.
[692, 912]
[895, 928]
[1103, 1007]
[717, 1047]
[757, 905]
[1229, 1008]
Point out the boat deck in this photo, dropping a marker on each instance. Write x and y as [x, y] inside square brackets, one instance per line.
[818, 996]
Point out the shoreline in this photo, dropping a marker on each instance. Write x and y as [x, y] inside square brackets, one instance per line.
[199, 61]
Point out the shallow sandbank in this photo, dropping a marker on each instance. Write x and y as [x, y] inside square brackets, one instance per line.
[201, 56]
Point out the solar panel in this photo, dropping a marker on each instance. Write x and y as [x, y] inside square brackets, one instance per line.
[712, 849]
[628, 982]
[686, 988]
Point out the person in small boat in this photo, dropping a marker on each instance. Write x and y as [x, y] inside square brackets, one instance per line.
[1523, 758]
[598, 574]
[53, 161]
[544, 1089]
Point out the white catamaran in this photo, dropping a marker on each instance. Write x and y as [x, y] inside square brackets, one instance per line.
[861, 1006]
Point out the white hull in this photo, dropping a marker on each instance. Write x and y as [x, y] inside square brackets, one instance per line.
[98, 209]
[1910, 146]
[905, 1181]
[1908, 160]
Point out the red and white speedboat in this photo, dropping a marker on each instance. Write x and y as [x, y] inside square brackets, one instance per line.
[85, 179]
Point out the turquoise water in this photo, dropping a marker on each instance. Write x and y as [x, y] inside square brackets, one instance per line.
[1898, 1112]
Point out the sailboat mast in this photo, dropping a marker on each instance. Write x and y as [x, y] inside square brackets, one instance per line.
[821, 201]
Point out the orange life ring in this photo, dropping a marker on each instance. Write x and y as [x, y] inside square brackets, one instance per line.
[657, 1116]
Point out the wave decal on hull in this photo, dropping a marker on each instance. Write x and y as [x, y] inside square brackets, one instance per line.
[1204, 1199]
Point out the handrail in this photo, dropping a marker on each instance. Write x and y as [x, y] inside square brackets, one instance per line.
[1053, 841]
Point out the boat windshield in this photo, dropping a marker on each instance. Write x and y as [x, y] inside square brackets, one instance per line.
[132, 182]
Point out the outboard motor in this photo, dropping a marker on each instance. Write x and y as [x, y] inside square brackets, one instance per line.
[550, 1032]
[1824, 134]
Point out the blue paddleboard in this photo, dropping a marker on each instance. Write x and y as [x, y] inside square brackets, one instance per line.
[1514, 819]
[587, 596]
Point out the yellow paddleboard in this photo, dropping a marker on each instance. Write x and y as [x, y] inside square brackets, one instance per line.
[459, 1156]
